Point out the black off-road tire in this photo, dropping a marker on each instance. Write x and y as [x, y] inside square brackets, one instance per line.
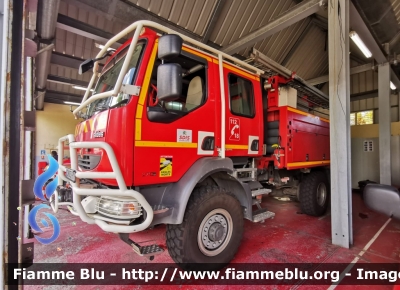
[309, 194]
[182, 240]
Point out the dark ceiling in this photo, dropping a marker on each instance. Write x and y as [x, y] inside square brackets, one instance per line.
[380, 16]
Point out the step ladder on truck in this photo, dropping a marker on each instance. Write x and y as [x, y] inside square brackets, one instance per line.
[178, 133]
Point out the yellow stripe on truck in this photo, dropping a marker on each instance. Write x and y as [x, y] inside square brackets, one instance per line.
[147, 76]
[143, 92]
[139, 143]
[138, 132]
[306, 114]
[233, 146]
[308, 163]
[165, 144]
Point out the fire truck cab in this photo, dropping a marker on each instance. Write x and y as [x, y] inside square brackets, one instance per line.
[184, 135]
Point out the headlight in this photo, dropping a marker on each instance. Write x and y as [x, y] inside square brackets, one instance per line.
[119, 207]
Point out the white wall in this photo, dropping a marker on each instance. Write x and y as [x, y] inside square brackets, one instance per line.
[52, 123]
[365, 165]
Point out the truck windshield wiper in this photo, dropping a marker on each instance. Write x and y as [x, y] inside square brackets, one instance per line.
[124, 101]
[103, 107]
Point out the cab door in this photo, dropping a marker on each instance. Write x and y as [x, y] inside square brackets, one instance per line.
[243, 113]
[172, 135]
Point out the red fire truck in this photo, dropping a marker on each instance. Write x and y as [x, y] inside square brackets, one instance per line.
[176, 132]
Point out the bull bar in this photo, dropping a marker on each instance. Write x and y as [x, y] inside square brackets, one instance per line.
[79, 192]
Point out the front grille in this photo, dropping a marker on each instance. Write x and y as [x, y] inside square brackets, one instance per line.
[88, 162]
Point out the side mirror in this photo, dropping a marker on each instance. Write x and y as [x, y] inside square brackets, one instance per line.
[169, 46]
[169, 81]
[85, 66]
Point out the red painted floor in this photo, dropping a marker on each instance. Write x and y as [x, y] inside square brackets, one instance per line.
[291, 237]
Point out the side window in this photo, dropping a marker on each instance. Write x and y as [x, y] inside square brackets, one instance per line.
[241, 96]
[194, 89]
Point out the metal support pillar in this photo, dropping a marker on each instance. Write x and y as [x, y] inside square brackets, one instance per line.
[353, 70]
[385, 175]
[339, 104]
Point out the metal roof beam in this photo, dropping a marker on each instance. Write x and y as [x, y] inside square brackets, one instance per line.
[364, 95]
[394, 40]
[81, 28]
[353, 70]
[61, 97]
[358, 24]
[66, 81]
[357, 59]
[67, 60]
[320, 21]
[297, 13]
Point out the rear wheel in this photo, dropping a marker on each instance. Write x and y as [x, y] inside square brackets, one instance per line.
[314, 194]
[211, 230]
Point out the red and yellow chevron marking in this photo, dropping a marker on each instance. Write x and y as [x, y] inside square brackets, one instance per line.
[98, 122]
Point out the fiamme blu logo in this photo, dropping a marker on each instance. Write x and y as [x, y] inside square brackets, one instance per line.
[44, 190]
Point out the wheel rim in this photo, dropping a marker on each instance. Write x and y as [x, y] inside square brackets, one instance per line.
[321, 194]
[215, 232]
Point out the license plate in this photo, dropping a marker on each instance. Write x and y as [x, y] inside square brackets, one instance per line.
[70, 175]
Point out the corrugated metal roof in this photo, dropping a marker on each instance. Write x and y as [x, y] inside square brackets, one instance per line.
[240, 17]
[278, 45]
[192, 15]
[66, 72]
[310, 59]
[76, 45]
[72, 44]
[237, 18]
[396, 9]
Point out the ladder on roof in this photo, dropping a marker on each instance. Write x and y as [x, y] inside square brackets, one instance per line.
[271, 68]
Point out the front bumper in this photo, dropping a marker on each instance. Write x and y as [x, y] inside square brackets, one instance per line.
[111, 225]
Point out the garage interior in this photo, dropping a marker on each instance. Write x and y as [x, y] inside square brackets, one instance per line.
[45, 41]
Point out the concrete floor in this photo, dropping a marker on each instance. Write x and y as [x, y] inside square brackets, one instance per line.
[291, 237]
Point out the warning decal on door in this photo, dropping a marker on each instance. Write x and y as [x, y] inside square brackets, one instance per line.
[165, 166]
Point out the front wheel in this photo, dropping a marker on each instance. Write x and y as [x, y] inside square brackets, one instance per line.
[211, 230]
[314, 193]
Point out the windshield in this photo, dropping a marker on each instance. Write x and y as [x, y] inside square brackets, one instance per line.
[109, 77]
